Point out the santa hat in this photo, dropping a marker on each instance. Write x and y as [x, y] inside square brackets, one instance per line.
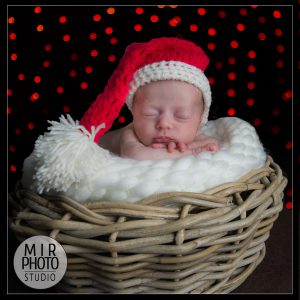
[158, 59]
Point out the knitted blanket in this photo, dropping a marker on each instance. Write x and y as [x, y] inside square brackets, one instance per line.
[66, 160]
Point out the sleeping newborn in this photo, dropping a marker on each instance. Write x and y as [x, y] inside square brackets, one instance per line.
[166, 124]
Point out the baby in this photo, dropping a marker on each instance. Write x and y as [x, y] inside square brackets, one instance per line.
[162, 81]
[166, 124]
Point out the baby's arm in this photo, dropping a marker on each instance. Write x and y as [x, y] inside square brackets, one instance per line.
[130, 147]
[204, 142]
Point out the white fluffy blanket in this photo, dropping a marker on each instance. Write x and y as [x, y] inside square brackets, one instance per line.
[67, 160]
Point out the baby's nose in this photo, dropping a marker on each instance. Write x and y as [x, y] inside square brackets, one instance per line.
[164, 122]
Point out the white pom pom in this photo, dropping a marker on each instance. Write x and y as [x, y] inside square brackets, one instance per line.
[64, 156]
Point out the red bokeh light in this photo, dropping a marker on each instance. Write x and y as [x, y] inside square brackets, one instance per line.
[111, 58]
[275, 130]
[251, 85]
[83, 85]
[286, 96]
[97, 18]
[13, 168]
[12, 36]
[256, 122]
[211, 46]
[278, 32]
[222, 14]
[289, 205]
[201, 11]
[121, 119]
[240, 27]
[37, 9]
[262, 36]
[252, 54]
[62, 19]
[212, 31]
[193, 28]
[37, 79]
[11, 20]
[94, 53]
[234, 44]
[113, 41]
[88, 69]
[154, 18]
[93, 35]
[46, 64]
[138, 27]
[251, 69]
[231, 92]
[243, 12]
[34, 97]
[250, 102]
[277, 14]
[66, 37]
[231, 76]
[139, 10]
[30, 125]
[48, 47]
[109, 30]
[231, 60]
[60, 89]
[231, 112]
[9, 92]
[289, 145]
[73, 73]
[66, 109]
[14, 56]
[12, 148]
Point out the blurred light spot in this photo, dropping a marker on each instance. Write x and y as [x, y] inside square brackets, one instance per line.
[12, 148]
[37, 9]
[250, 85]
[251, 69]
[262, 20]
[222, 14]
[83, 85]
[256, 122]
[94, 53]
[231, 60]
[48, 47]
[289, 192]
[280, 48]
[93, 36]
[201, 11]
[66, 109]
[278, 32]
[240, 27]
[108, 30]
[40, 28]
[30, 126]
[21, 76]
[289, 205]
[14, 56]
[275, 130]
[111, 58]
[9, 92]
[287, 95]
[88, 69]
[193, 28]
[289, 145]
[243, 12]
[37, 79]
[279, 63]
[138, 27]
[60, 89]
[113, 40]
[277, 14]
[62, 19]
[262, 36]
[121, 119]
[234, 44]
[250, 101]
[154, 18]
[8, 110]
[13, 168]
[252, 54]
[211, 80]
[139, 10]
[66, 37]
[97, 18]
[11, 20]
[212, 31]
[231, 112]
[211, 46]
[46, 64]
[12, 36]
[111, 10]
[72, 73]
[34, 97]
[231, 92]
[18, 131]
[231, 76]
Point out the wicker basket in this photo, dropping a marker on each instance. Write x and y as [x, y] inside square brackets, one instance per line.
[170, 243]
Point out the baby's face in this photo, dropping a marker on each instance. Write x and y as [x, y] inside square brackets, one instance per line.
[167, 110]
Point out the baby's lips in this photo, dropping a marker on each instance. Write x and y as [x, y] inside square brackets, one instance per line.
[164, 140]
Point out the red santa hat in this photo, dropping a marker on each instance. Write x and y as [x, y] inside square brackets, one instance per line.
[163, 58]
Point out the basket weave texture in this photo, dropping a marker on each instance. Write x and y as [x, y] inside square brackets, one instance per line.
[179, 242]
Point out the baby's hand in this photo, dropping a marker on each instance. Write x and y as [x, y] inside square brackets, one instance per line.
[207, 144]
[170, 146]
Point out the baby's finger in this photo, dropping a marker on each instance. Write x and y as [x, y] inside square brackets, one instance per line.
[181, 146]
[171, 147]
[158, 146]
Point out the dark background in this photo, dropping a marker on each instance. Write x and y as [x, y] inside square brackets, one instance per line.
[53, 71]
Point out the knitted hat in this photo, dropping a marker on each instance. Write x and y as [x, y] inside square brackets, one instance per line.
[158, 59]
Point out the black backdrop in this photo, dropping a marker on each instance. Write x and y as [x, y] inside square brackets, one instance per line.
[60, 58]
